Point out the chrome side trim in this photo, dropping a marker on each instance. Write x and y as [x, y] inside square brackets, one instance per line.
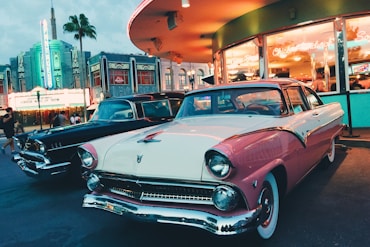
[219, 225]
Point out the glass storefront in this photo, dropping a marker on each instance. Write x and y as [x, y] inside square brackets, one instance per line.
[358, 49]
[242, 62]
[308, 53]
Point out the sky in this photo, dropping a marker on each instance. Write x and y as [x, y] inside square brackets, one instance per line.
[20, 24]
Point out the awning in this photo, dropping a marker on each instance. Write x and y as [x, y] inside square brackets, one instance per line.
[209, 79]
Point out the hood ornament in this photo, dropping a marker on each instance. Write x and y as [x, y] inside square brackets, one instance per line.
[139, 158]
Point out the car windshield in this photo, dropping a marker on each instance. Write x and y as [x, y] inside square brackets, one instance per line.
[259, 101]
[113, 110]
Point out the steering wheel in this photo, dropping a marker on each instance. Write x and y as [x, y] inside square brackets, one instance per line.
[258, 107]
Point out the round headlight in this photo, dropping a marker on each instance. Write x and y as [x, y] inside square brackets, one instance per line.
[219, 165]
[225, 198]
[18, 142]
[86, 157]
[42, 148]
[93, 182]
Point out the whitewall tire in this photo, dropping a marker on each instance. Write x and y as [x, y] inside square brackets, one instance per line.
[269, 199]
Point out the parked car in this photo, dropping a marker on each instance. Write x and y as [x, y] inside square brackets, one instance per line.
[53, 152]
[223, 164]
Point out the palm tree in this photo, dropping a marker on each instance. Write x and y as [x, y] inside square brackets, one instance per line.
[81, 28]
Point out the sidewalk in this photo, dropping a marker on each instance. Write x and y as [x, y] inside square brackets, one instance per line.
[358, 137]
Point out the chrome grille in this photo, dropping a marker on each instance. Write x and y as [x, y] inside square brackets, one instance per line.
[160, 191]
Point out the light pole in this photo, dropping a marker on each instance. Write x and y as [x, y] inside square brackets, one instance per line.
[38, 101]
[191, 74]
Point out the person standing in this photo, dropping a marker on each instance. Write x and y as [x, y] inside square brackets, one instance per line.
[62, 118]
[8, 121]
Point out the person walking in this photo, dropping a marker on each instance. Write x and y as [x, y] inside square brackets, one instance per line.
[8, 122]
[60, 119]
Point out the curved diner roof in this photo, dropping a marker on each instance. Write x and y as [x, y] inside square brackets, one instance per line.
[190, 38]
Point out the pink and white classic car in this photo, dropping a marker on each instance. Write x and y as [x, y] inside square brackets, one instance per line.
[223, 164]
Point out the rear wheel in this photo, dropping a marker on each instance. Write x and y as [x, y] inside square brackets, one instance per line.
[330, 157]
[269, 199]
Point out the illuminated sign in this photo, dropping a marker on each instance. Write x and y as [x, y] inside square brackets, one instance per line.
[52, 99]
[48, 83]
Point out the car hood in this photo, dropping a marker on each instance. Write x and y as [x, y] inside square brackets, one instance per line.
[175, 150]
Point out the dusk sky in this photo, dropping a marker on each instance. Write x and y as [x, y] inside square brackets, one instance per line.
[20, 24]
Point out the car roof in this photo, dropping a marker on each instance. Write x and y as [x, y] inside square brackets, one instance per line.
[149, 96]
[268, 83]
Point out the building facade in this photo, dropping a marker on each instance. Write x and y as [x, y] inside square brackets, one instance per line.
[325, 44]
[113, 75]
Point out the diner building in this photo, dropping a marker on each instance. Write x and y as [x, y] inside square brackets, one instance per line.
[326, 44]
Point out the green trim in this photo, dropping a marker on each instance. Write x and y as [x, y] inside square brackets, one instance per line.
[276, 16]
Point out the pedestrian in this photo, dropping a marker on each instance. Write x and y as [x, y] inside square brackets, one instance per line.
[18, 127]
[8, 124]
[60, 119]
[77, 119]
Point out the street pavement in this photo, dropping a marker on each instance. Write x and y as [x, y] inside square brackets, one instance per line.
[329, 208]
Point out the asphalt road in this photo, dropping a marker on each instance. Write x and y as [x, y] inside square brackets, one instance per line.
[329, 208]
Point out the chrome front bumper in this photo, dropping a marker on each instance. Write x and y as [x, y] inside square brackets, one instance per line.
[41, 169]
[215, 224]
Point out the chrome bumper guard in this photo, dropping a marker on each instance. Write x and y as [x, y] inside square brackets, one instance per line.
[215, 224]
[41, 169]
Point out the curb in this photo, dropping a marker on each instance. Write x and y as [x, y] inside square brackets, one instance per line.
[355, 143]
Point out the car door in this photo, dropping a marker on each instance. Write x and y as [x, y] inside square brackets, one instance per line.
[305, 122]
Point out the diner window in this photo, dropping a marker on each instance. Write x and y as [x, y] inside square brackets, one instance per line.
[358, 48]
[145, 77]
[306, 53]
[118, 76]
[242, 62]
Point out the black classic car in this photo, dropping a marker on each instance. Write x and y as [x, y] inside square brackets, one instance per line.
[45, 154]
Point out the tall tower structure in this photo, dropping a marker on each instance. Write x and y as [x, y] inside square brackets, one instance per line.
[46, 62]
[53, 25]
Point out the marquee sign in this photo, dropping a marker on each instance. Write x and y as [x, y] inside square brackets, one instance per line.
[52, 99]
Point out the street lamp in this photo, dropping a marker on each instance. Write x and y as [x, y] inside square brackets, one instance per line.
[38, 101]
[191, 74]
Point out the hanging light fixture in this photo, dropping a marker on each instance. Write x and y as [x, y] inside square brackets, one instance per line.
[185, 3]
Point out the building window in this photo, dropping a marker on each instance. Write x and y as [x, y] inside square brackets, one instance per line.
[306, 53]
[168, 78]
[1, 86]
[97, 78]
[199, 76]
[118, 77]
[182, 78]
[358, 48]
[145, 77]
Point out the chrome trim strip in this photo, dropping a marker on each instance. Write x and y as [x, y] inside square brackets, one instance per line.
[65, 147]
[219, 225]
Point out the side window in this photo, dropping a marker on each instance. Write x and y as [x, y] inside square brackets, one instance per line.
[156, 108]
[297, 102]
[224, 104]
[312, 98]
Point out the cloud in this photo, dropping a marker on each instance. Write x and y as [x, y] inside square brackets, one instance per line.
[20, 25]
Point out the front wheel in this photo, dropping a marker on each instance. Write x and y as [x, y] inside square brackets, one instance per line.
[269, 199]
